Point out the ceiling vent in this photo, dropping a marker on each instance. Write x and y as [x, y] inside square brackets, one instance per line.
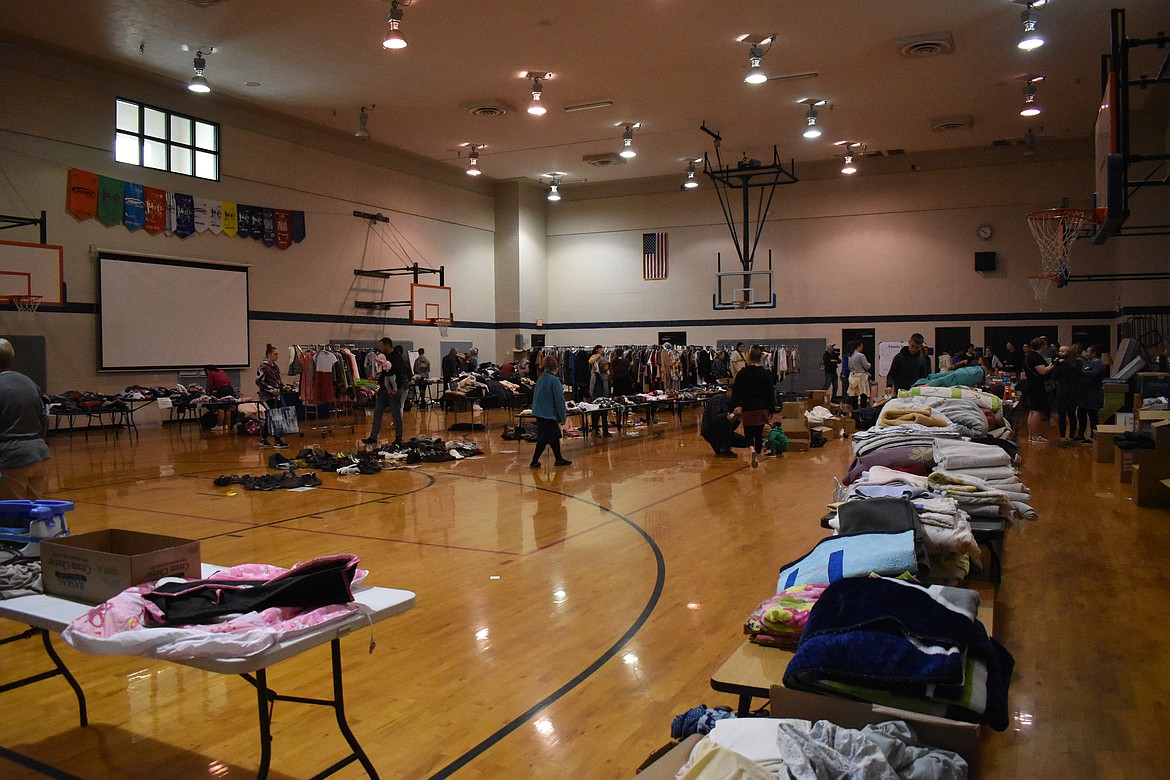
[946, 124]
[926, 45]
[604, 160]
[489, 108]
[895, 152]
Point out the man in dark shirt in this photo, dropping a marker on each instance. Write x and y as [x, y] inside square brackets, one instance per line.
[719, 424]
[392, 385]
[1010, 359]
[23, 473]
[909, 365]
[451, 363]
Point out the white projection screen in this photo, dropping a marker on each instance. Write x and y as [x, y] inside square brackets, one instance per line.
[156, 313]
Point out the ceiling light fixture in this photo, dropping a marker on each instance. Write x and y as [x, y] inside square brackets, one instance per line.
[473, 160]
[536, 108]
[811, 130]
[198, 83]
[691, 182]
[849, 168]
[394, 38]
[362, 134]
[628, 141]
[756, 74]
[553, 195]
[1031, 107]
[1031, 39]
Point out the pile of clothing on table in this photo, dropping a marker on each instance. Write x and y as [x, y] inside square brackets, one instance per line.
[873, 612]
[798, 749]
[23, 526]
[488, 387]
[238, 612]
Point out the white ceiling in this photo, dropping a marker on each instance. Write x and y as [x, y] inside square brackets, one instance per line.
[669, 64]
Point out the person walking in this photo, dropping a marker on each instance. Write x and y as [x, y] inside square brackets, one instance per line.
[831, 363]
[270, 384]
[753, 397]
[548, 407]
[24, 475]
[1091, 395]
[909, 365]
[392, 387]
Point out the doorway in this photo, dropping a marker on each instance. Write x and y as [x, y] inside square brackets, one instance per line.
[1091, 335]
[950, 340]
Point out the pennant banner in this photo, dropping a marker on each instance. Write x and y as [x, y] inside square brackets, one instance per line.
[134, 209]
[269, 234]
[283, 236]
[297, 220]
[184, 215]
[111, 200]
[81, 199]
[136, 206]
[156, 210]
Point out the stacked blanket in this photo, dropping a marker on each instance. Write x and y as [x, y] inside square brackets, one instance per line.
[981, 499]
[779, 621]
[852, 556]
[904, 645]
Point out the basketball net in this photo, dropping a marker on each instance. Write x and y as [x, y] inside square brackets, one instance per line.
[1055, 230]
[442, 323]
[26, 305]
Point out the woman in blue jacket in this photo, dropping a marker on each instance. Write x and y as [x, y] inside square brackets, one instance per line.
[548, 406]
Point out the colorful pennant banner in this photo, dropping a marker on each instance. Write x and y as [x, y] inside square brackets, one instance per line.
[113, 201]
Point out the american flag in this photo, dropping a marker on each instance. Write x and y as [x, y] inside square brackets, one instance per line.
[653, 256]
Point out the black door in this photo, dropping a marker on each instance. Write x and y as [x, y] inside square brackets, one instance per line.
[950, 340]
[996, 339]
[850, 336]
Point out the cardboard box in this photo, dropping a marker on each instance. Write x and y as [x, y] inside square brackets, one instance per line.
[798, 445]
[664, 763]
[1124, 419]
[1103, 449]
[1161, 433]
[793, 426]
[1123, 463]
[1152, 384]
[792, 409]
[1150, 468]
[93, 567]
[962, 738]
[818, 398]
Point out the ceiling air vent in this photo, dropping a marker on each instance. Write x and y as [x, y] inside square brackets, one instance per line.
[603, 160]
[926, 44]
[946, 124]
[489, 108]
[895, 152]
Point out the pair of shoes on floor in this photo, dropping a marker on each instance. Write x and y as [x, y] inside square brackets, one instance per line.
[562, 462]
[755, 460]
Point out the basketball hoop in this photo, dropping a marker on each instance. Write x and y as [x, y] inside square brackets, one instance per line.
[740, 304]
[26, 304]
[1040, 284]
[1055, 230]
[442, 323]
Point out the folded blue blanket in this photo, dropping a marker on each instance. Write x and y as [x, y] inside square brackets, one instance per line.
[851, 556]
[906, 640]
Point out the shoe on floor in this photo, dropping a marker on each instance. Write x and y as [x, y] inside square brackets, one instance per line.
[265, 443]
[535, 465]
[755, 460]
[280, 445]
[1038, 440]
[562, 462]
[370, 440]
[607, 435]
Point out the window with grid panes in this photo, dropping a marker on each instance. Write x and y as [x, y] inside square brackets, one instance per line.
[165, 140]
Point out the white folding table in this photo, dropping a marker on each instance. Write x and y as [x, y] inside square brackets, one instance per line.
[44, 614]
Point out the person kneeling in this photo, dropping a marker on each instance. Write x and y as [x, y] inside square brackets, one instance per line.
[719, 424]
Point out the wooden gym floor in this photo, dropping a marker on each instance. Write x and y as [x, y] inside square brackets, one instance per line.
[566, 615]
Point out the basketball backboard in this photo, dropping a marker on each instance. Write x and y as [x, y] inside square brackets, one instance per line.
[1110, 193]
[429, 302]
[32, 269]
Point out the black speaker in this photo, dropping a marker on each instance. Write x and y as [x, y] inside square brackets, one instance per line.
[985, 261]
